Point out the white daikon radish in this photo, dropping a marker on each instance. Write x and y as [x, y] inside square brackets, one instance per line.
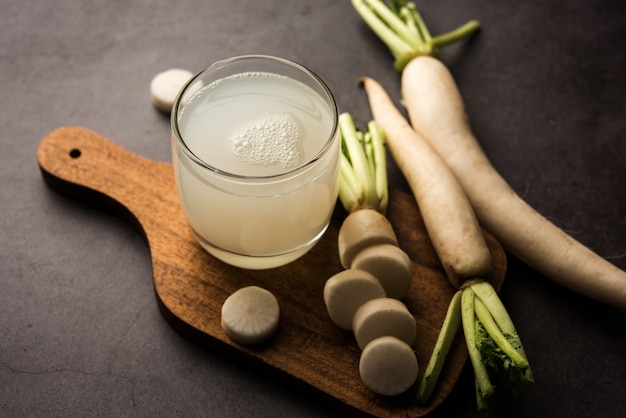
[437, 111]
[390, 265]
[383, 316]
[346, 291]
[250, 315]
[388, 366]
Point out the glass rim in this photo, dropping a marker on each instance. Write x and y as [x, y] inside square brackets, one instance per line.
[218, 64]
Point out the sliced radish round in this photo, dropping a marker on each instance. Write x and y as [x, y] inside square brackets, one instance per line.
[346, 291]
[384, 316]
[390, 265]
[388, 366]
[250, 315]
[361, 229]
[165, 87]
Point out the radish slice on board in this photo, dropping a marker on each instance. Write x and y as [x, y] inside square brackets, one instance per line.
[250, 315]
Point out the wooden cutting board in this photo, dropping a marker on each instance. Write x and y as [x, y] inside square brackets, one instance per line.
[308, 351]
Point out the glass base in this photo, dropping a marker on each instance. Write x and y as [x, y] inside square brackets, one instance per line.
[252, 262]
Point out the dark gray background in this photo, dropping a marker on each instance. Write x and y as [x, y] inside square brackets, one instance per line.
[80, 332]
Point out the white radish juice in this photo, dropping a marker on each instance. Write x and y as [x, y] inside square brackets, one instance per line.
[255, 156]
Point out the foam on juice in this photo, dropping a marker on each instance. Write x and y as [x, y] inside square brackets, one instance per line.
[272, 139]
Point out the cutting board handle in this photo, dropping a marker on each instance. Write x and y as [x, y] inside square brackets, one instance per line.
[87, 166]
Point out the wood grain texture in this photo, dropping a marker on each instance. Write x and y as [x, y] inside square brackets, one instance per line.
[308, 351]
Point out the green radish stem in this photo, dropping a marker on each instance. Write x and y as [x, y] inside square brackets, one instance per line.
[402, 29]
[468, 316]
[363, 167]
[481, 402]
[489, 297]
[442, 347]
[499, 338]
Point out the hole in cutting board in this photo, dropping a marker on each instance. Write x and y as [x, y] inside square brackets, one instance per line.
[75, 153]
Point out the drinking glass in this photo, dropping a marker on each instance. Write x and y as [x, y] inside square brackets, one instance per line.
[255, 150]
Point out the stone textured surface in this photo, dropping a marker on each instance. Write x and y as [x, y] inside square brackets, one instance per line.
[80, 333]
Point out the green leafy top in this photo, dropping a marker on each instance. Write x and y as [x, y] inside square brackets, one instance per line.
[363, 167]
[400, 26]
